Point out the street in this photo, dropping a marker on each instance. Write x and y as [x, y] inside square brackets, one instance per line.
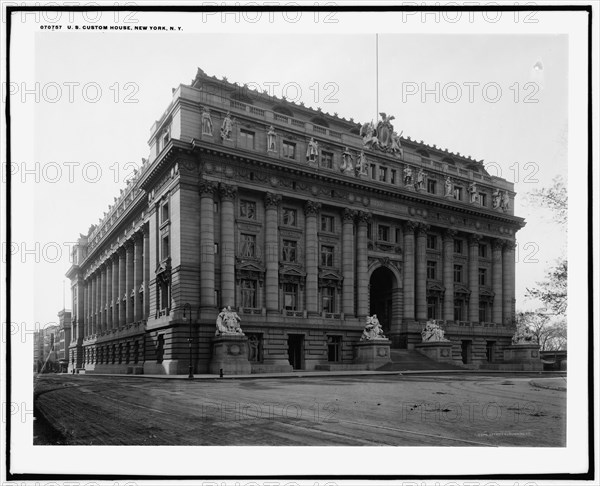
[400, 410]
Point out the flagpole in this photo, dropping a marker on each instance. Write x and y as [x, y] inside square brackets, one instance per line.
[376, 75]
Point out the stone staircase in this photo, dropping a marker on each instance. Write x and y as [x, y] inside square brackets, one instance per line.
[410, 360]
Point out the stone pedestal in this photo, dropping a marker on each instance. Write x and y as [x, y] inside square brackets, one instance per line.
[440, 351]
[372, 354]
[230, 354]
[523, 357]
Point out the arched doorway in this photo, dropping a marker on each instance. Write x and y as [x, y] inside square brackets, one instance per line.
[383, 287]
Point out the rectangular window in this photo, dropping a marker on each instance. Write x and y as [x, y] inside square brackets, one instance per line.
[327, 224]
[431, 269]
[431, 186]
[165, 247]
[458, 246]
[289, 251]
[393, 176]
[247, 209]
[489, 351]
[373, 171]
[433, 304]
[328, 295]
[382, 174]
[290, 217]
[164, 213]
[290, 296]
[458, 193]
[431, 242]
[458, 269]
[248, 246]
[248, 293]
[458, 309]
[482, 250]
[289, 149]
[483, 199]
[326, 160]
[482, 276]
[383, 232]
[326, 256]
[334, 348]
[246, 139]
[483, 311]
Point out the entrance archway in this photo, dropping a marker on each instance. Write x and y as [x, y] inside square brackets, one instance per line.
[383, 290]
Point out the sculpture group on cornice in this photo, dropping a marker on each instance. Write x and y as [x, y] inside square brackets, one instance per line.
[382, 137]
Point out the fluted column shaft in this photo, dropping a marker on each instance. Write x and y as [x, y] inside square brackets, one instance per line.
[348, 262]
[207, 245]
[87, 307]
[228, 194]
[128, 282]
[138, 276]
[115, 292]
[421, 272]
[409, 271]
[497, 281]
[108, 298]
[448, 274]
[362, 269]
[146, 272]
[508, 282]
[311, 210]
[122, 288]
[474, 278]
[95, 303]
[271, 252]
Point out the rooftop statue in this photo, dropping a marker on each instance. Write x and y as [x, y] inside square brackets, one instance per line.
[367, 132]
[385, 131]
[433, 333]
[373, 330]
[396, 147]
[524, 336]
[228, 322]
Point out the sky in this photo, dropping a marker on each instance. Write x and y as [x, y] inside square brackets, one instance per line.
[100, 92]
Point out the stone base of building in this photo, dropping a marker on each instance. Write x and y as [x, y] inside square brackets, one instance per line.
[440, 351]
[230, 354]
[372, 354]
[279, 366]
[523, 357]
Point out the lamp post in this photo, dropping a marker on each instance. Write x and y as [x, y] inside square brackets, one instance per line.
[188, 307]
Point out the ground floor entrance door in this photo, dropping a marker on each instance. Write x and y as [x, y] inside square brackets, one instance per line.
[465, 351]
[296, 350]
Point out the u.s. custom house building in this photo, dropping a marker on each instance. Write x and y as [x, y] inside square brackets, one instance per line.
[304, 223]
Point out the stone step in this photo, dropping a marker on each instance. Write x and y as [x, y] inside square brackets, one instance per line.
[408, 359]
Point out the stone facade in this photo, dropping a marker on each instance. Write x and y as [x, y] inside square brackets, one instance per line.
[304, 225]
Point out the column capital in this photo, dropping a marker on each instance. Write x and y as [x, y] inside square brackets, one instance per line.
[207, 188]
[449, 234]
[498, 244]
[421, 228]
[509, 245]
[410, 226]
[138, 236]
[474, 239]
[128, 244]
[272, 200]
[348, 215]
[363, 217]
[312, 208]
[227, 191]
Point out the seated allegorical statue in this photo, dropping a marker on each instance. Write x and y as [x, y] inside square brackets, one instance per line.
[372, 329]
[432, 333]
[228, 322]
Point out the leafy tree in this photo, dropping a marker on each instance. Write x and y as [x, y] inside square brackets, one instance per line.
[551, 335]
[554, 198]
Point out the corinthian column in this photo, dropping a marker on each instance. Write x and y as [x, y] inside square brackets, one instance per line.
[108, 298]
[421, 271]
[508, 282]
[228, 194]
[362, 269]
[409, 270]
[448, 241]
[146, 232]
[497, 281]
[311, 210]
[122, 287]
[138, 275]
[474, 277]
[271, 252]
[348, 262]
[115, 291]
[207, 244]
[128, 281]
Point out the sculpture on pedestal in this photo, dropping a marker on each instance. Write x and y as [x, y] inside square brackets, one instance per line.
[473, 192]
[496, 199]
[312, 151]
[346, 166]
[504, 201]
[207, 125]
[228, 322]
[372, 329]
[448, 187]
[421, 175]
[271, 136]
[433, 332]
[362, 167]
[226, 127]
[524, 336]
[408, 178]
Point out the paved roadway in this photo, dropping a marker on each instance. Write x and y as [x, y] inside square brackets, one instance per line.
[401, 410]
